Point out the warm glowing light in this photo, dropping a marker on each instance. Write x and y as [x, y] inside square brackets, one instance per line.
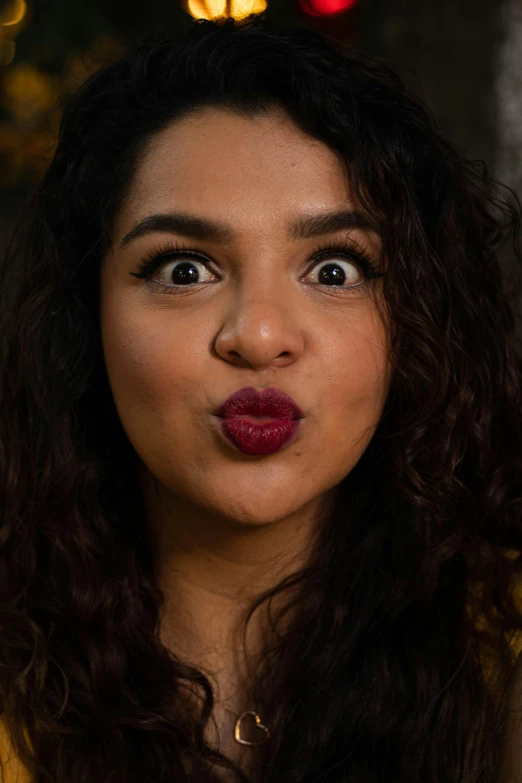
[28, 94]
[326, 7]
[207, 9]
[214, 9]
[18, 12]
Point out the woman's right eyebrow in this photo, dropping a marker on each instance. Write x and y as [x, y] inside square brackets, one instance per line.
[197, 227]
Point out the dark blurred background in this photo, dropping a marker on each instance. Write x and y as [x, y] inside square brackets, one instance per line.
[463, 57]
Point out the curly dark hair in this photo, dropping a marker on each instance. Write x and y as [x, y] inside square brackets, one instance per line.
[401, 651]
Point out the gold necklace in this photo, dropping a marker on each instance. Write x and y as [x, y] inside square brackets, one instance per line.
[259, 725]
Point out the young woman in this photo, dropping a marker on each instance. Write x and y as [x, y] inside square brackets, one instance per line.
[261, 426]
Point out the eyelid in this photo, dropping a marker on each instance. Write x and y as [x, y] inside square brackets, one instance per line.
[162, 251]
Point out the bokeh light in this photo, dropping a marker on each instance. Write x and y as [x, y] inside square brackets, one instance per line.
[326, 7]
[14, 13]
[215, 9]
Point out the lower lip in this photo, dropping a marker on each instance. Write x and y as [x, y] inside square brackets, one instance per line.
[255, 436]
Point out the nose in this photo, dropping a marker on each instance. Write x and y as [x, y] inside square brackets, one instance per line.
[260, 333]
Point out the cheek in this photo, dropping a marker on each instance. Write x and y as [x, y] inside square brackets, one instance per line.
[151, 368]
[154, 374]
[355, 385]
[369, 372]
[356, 367]
[155, 380]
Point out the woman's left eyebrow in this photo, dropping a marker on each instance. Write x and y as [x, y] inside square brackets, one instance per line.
[303, 227]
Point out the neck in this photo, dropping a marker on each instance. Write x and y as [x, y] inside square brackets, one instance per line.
[210, 570]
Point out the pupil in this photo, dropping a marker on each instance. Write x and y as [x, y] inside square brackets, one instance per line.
[331, 272]
[186, 273]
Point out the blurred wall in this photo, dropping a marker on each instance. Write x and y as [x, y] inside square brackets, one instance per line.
[464, 59]
[508, 91]
[446, 50]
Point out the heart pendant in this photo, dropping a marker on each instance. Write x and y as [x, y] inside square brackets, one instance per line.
[237, 730]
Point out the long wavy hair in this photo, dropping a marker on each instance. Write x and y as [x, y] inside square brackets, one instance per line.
[400, 653]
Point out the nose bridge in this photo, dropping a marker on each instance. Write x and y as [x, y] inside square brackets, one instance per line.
[262, 300]
[258, 326]
[262, 269]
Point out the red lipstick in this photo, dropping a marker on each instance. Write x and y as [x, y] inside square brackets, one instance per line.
[259, 422]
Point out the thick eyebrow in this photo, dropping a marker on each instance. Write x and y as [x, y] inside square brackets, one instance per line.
[304, 227]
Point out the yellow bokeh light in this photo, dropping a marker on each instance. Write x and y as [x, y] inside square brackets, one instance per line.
[15, 15]
[28, 94]
[214, 9]
[207, 9]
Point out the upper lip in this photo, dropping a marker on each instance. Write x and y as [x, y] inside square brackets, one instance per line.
[271, 402]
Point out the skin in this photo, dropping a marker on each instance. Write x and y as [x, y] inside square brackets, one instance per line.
[226, 525]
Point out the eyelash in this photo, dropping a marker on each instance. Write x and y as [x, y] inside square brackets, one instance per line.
[160, 255]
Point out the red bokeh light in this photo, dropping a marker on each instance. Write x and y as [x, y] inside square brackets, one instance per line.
[326, 7]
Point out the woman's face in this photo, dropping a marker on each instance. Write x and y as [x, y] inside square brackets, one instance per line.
[255, 315]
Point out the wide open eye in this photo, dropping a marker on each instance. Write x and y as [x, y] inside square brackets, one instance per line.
[336, 266]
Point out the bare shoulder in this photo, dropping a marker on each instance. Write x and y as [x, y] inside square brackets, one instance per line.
[12, 768]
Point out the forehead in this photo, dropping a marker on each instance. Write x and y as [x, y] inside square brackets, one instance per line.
[235, 165]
